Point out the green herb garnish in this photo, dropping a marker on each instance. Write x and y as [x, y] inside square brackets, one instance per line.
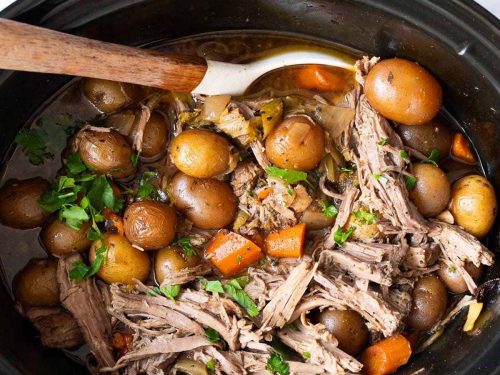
[383, 142]
[169, 291]
[185, 244]
[433, 158]
[341, 236]
[135, 158]
[410, 182]
[306, 355]
[277, 365]
[290, 176]
[380, 177]
[329, 209]
[211, 364]
[403, 154]
[146, 189]
[33, 146]
[212, 335]
[212, 286]
[365, 216]
[234, 289]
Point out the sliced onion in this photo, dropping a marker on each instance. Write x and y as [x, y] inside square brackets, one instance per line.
[214, 106]
[335, 119]
[191, 367]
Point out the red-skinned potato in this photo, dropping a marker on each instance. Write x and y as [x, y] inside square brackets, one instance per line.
[19, 207]
[296, 143]
[403, 91]
[149, 224]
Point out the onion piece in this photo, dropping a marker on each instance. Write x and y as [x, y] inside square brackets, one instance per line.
[474, 311]
[214, 106]
[191, 367]
[334, 119]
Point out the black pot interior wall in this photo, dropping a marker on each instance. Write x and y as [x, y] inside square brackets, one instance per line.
[456, 40]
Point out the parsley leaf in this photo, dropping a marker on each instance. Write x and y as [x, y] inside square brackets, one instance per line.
[342, 236]
[33, 146]
[212, 286]
[365, 217]
[101, 195]
[211, 364]
[242, 298]
[411, 182]
[82, 271]
[146, 189]
[380, 177]
[383, 142]
[169, 291]
[277, 365]
[433, 158]
[185, 244]
[404, 154]
[135, 158]
[329, 209]
[212, 335]
[290, 176]
[75, 164]
[306, 355]
[73, 215]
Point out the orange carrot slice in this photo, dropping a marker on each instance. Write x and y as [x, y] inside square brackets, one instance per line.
[287, 242]
[315, 77]
[386, 356]
[460, 149]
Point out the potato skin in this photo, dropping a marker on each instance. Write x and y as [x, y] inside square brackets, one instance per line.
[424, 138]
[19, 206]
[123, 263]
[155, 136]
[149, 224]
[348, 327]
[208, 203]
[474, 204]
[171, 260]
[454, 280]
[201, 153]
[296, 143]
[106, 151]
[432, 192]
[106, 96]
[403, 91]
[429, 303]
[36, 284]
[59, 239]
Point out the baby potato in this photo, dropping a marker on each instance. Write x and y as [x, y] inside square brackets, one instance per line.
[107, 96]
[348, 327]
[36, 284]
[106, 151]
[474, 204]
[171, 260]
[296, 143]
[432, 191]
[403, 91]
[155, 136]
[123, 262]
[208, 203]
[426, 137]
[201, 153]
[454, 280]
[150, 224]
[429, 303]
[59, 239]
[19, 207]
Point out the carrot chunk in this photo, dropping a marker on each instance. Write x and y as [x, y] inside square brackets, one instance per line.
[264, 193]
[386, 356]
[122, 342]
[231, 253]
[315, 77]
[114, 220]
[287, 242]
[460, 149]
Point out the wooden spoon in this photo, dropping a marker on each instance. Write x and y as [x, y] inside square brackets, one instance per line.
[35, 49]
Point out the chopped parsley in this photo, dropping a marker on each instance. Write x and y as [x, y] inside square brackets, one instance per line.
[365, 216]
[411, 182]
[211, 364]
[329, 209]
[94, 193]
[234, 289]
[306, 355]
[169, 291]
[135, 158]
[433, 158]
[383, 142]
[404, 154]
[277, 365]
[33, 146]
[380, 177]
[212, 335]
[341, 236]
[185, 244]
[290, 176]
[146, 189]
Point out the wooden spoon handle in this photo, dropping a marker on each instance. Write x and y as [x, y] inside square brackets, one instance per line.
[35, 49]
